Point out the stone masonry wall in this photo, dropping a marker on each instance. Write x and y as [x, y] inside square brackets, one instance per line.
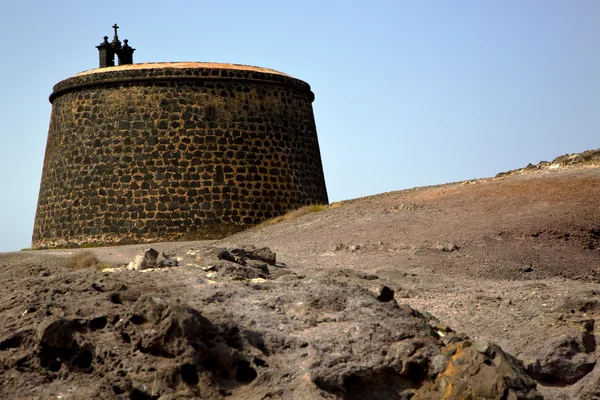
[162, 154]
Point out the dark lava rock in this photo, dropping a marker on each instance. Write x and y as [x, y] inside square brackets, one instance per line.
[238, 272]
[567, 359]
[224, 254]
[56, 332]
[369, 277]
[382, 293]
[14, 339]
[240, 255]
[173, 325]
[261, 266]
[187, 337]
[165, 260]
[263, 254]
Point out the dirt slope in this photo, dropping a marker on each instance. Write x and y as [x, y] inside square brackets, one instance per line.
[545, 220]
[513, 260]
[525, 274]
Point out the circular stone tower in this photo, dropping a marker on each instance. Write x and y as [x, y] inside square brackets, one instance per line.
[175, 151]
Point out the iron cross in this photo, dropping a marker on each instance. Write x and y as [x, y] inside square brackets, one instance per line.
[115, 26]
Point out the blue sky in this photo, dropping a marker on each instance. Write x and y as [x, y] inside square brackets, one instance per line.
[408, 93]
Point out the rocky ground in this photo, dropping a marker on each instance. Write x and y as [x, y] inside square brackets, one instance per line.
[480, 289]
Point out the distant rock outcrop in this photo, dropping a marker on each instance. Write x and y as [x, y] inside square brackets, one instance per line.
[591, 157]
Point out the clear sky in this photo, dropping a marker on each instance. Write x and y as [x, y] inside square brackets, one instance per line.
[408, 93]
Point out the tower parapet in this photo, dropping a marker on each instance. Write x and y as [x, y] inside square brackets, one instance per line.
[107, 51]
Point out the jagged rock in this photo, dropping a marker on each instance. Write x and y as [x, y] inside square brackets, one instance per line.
[262, 254]
[567, 359]
[479, 370]
[143, 261]
[258, 265]
[442, 327]
[173, 326]
[237, 271]
[152, 259]
[240, 255]
[447, 247]
[164, 260]
[391, 352]
[224, 254]
[56, 332]
[382, 293]
[245, 256]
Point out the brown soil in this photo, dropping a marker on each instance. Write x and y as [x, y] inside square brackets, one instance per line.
[513, 260]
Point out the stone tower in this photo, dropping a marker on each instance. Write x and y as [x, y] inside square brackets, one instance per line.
[174, 151]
